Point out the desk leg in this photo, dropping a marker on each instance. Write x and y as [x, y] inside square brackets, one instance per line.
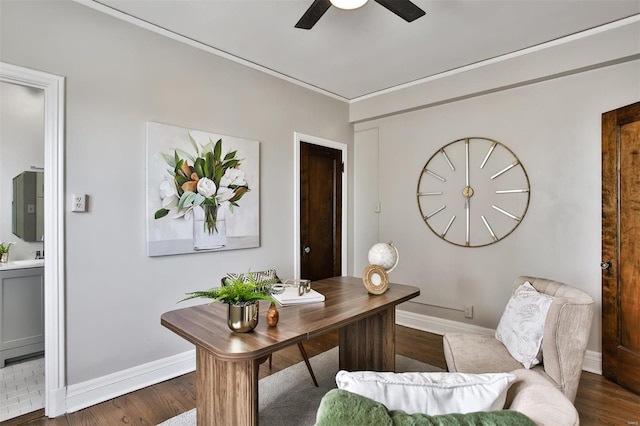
[370, 343]
[227, 392]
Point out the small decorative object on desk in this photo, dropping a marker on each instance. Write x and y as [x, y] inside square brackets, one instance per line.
[304, 286]
[242, 299]
[295, 292]
[383, 258]
[4, 251]
[272, 315]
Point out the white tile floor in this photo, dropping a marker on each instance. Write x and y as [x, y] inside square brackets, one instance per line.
[21, 388]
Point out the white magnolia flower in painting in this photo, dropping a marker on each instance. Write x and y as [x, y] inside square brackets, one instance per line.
[233, 176]
[171, 201]
[169, 194]
[224, 194]
[188, 201]
[168, 188]
[187, 213]
[206, 187]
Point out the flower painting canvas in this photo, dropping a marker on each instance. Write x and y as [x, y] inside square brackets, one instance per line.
[202, 191]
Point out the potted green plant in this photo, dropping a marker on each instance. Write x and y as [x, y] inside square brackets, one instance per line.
[4, 251]
[242, 299]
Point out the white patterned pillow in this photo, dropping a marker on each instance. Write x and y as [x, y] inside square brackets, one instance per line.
[430, 393]
[522, 324]
[264, 279]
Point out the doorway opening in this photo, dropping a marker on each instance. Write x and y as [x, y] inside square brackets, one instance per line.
[299, 139]
[54, 308]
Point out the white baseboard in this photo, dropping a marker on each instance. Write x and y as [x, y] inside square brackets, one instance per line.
[95, 391]
[592, 359]
[438, 325]
[55, 405]
[592, 362]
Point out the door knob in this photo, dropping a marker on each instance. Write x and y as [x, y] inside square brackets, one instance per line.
[606, 266]
[307, 249]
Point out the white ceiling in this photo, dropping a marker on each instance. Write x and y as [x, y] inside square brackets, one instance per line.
[358, 52]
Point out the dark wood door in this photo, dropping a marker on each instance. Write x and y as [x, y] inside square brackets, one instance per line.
[621, 246]
[320, 211]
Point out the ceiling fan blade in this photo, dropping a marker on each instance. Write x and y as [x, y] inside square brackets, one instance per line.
[403, 8]
[313, 14]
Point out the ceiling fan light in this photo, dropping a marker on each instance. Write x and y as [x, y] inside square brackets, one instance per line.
[348, 4]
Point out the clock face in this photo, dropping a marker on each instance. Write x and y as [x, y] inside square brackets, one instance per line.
[473, 192]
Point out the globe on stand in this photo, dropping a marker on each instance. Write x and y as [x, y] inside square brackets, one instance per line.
[383, 258]
[385, 255]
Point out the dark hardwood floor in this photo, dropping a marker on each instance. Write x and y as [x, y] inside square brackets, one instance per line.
[599, 401]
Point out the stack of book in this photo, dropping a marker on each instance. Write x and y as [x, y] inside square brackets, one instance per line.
[290, 296]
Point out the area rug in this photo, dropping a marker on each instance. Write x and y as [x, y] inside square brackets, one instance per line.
[289, 398]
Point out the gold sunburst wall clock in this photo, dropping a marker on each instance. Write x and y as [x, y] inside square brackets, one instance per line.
[473, 192]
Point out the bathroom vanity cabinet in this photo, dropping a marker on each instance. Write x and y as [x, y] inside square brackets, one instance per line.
[21, 312]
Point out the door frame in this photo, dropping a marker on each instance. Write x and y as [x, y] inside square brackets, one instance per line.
[54, 274]
[298, 138]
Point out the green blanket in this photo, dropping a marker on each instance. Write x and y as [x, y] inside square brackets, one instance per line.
[340, 407]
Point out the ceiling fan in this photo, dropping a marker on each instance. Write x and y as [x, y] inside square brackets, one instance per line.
[403, 8]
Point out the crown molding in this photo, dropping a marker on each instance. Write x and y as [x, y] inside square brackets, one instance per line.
[202, 46]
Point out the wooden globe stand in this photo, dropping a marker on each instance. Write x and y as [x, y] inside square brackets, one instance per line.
[375, 279]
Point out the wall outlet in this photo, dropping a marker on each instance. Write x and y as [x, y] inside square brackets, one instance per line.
[79, 203]
[468, 311]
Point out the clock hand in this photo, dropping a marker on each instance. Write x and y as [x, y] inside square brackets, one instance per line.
[466, 152]
[468, 211]
[467, 192]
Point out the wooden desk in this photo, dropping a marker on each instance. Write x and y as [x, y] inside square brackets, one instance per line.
[227, 363]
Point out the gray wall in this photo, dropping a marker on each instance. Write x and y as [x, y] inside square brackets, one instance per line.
[119, 77]
[554, 127]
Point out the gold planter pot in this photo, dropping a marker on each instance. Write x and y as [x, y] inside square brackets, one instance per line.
[243, 318]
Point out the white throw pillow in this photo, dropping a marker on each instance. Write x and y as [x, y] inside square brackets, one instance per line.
[430, 393]
[522, 324]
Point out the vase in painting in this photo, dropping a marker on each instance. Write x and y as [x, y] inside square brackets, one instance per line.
[206, 236]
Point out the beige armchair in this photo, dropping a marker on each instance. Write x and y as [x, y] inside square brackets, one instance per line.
[566, 334]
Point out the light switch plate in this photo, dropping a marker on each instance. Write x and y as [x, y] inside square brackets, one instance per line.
[79, 203]
[468, 310]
